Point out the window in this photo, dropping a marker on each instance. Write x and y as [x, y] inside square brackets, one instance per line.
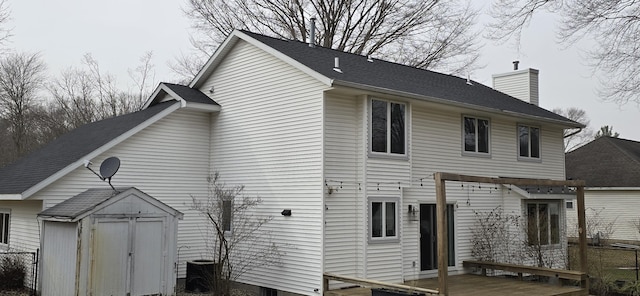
[4, 226]
[543, 223]
[528, 141]
[227, 209]
[388, 127]
[569, 205]
[383, 219]
[475, 135]
[268, 292]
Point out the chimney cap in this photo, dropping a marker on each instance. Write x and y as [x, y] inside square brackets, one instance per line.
[515, 65]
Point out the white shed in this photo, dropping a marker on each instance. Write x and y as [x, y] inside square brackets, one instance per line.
[106, 242]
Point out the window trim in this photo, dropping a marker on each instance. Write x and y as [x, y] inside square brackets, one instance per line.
[559, 204]
[529, 158]
[384, 238]
[5, 227]
[462, 136]
[388, 153]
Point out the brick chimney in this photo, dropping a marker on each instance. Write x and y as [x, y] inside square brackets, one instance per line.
[520, 84]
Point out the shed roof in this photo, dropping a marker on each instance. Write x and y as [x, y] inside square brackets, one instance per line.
[88, 201]
[606, 162]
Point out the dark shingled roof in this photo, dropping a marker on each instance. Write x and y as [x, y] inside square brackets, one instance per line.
[396, 77]
[606, 162]
[81, 203]
[34, 168]
[190, 94]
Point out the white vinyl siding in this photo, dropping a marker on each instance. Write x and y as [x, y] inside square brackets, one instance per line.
[23, 226]
[167, 160]
[617, 207]
[268, 137]
[345, 230]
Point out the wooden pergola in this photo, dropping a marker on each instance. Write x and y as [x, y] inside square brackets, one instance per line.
[441, 211]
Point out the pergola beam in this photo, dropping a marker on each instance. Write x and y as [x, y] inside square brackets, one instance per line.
[441, 214]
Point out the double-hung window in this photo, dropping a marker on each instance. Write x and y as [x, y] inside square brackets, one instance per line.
[388, 129]
[4, 226]
[543, 223]
[528, 142]
[383, 218]
[475, 135]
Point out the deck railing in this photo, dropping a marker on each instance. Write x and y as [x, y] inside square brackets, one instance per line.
[375, 284]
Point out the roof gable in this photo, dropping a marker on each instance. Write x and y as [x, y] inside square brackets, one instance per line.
[378, 75]
[606, 162]
[52, 161]
[94, 199]
[187, 96]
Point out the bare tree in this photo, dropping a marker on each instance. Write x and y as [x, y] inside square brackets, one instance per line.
[21, 76]
[427, 34]
[73, 94]
[240, 241]
[606, 131]
[574, 138]
[614, 25]
[143, 77]
[5, 14]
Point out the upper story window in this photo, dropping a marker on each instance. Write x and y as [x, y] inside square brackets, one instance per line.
[475, 134]
[388, 127]
[528, 141]
[4, 226]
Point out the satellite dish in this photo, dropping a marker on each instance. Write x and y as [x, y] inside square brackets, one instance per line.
[109, 167]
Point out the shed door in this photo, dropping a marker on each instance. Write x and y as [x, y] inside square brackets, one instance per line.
[148, 259]
[110, 257]
[128, 256]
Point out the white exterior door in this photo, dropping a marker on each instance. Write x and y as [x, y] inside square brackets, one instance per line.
[128, 257]
[148, 257]
[110, 260]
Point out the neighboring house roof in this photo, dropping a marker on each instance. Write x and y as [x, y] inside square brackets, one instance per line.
[606, 162]
[70, 148]
[383, 76]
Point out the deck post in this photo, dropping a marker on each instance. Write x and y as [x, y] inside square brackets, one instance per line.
[582, 233]
[441, 216]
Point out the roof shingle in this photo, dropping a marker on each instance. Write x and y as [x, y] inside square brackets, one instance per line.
[606, 162]
[35, 167]
[359, 70]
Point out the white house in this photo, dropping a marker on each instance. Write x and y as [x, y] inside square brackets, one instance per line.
[346, 142]
[611, 169]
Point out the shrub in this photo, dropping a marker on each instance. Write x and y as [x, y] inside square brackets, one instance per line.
[12, 273]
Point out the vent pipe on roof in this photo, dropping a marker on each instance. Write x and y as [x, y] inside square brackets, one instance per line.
[336, 65]
[515, 65]
[312, 33]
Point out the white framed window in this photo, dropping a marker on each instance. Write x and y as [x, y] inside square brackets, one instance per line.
[476, 135]
[5, 217]
[528, 142]
[543, 222]
[388, 127]
[569, 204]
[383, 218]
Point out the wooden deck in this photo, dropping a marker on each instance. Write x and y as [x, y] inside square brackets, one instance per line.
[478, 285]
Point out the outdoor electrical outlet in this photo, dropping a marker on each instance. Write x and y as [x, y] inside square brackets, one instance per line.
[414, 264]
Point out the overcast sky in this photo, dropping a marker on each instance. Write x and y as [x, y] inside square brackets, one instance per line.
[118, 32]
